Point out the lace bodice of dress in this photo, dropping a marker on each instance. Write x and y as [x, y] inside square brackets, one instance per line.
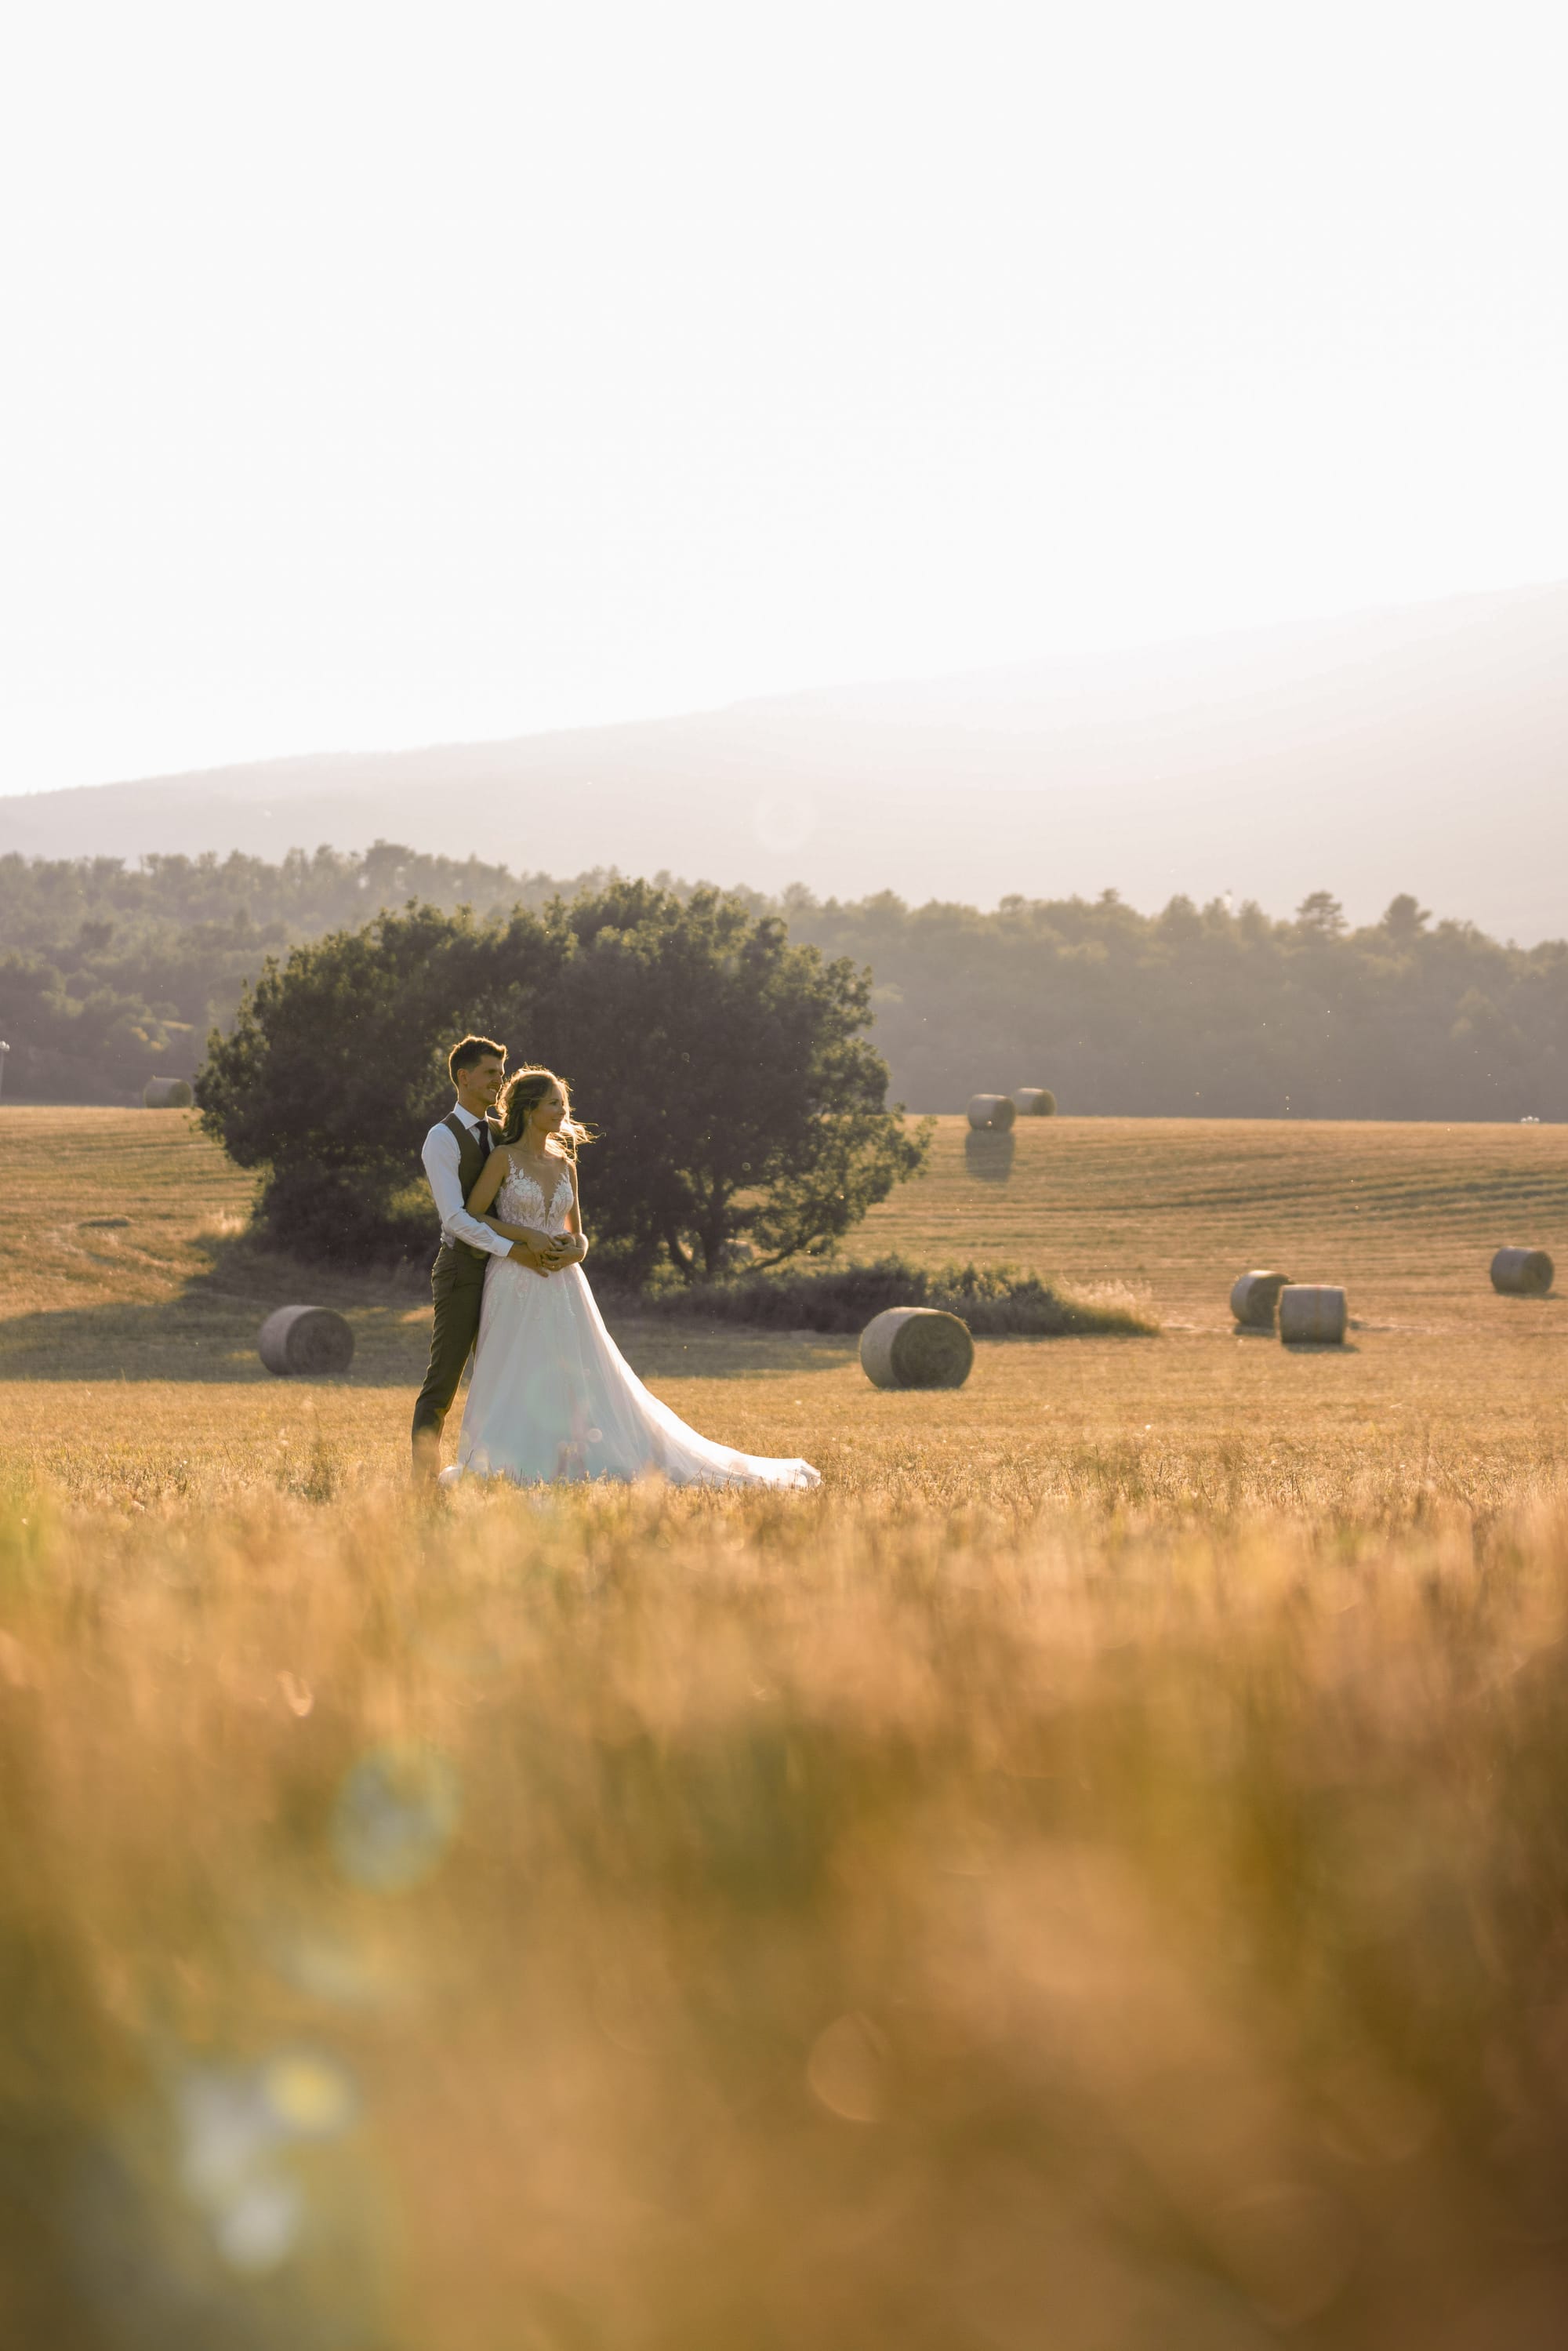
[521, 1201]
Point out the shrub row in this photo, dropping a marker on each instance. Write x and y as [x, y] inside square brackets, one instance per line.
[995, 1301]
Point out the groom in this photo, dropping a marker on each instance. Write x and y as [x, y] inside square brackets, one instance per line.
[455, 1150]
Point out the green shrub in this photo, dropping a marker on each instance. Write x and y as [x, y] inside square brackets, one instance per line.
[995, 1301]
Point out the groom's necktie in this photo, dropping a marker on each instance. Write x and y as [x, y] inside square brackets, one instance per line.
[482, 1136]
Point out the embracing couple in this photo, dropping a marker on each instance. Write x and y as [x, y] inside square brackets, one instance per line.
[553, 1397]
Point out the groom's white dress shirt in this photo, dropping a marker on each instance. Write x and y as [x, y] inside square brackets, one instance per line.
[441, 1164]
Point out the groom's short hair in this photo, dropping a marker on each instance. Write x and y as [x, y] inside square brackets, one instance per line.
[470, 1050]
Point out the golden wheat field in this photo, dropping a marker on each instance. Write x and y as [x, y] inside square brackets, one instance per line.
[1092, 1878]
[129, 1309]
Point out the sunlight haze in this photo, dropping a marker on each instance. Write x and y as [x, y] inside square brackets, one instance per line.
[381, 377]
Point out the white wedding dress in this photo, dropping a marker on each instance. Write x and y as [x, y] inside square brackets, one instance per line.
[553, 1397]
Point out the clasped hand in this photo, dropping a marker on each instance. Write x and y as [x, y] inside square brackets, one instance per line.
[548, 1252]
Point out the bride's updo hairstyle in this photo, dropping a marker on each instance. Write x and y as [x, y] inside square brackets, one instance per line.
[521, 1096]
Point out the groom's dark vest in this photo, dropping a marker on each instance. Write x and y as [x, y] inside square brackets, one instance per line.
[470, 1160]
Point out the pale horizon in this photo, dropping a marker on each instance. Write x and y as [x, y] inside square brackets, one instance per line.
[1080, 662]
[382, 388]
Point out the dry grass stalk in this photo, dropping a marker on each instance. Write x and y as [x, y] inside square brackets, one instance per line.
[687, 1921]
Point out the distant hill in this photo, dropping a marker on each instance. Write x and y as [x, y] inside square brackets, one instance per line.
[1423, 749]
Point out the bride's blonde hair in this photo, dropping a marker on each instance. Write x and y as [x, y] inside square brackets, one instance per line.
[521, 1096]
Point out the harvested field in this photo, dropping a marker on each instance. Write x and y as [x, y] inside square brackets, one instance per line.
[130, 1307]
[1090, 1876]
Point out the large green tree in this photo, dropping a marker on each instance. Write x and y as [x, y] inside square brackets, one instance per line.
[746, 1106]
[331, 1072]
[741, 1109]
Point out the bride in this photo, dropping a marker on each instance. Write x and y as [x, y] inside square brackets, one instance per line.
[552, 1397]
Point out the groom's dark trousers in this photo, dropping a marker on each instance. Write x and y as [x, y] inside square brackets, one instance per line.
[458, 1286]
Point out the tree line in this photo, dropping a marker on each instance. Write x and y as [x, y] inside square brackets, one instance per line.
[1210, 1011]
[112, 974]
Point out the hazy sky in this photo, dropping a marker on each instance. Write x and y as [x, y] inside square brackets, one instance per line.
[378, 376]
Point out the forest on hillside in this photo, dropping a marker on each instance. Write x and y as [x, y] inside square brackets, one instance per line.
[112, 974]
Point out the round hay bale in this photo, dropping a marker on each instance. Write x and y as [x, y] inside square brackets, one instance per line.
[1521, 1272]
[1034, 1102]
[167, 1093]
[1311, 1314]
[1254, 1297]
[306, 1341]
[916, 1347]
[993, 1112]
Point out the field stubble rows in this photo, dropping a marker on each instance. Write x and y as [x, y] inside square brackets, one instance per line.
[129, 1308]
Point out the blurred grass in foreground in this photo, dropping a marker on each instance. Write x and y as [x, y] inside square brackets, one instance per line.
[663, 1922]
